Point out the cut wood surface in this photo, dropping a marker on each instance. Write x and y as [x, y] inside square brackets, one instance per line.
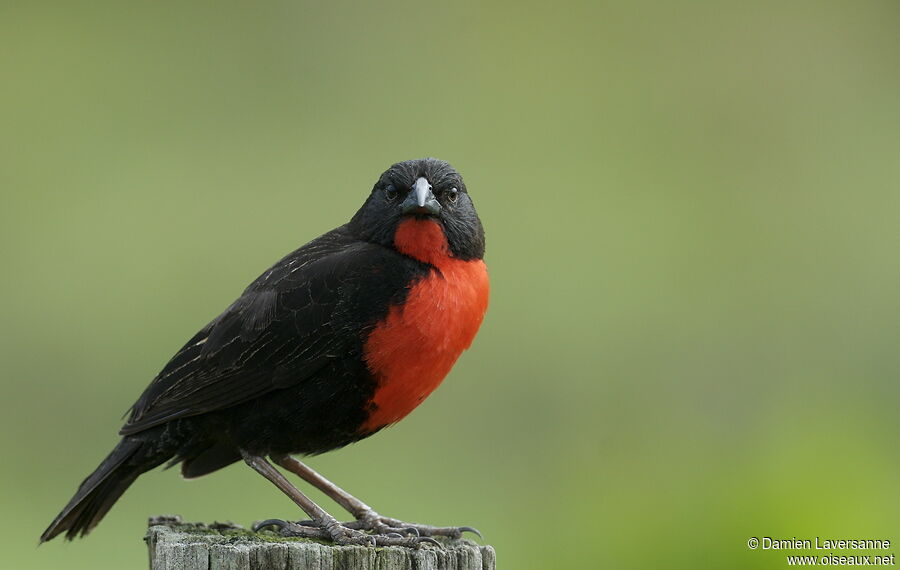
[175, 545]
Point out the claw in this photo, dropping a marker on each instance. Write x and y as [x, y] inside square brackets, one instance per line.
[269, 522]
[473, 530]
[412, 530]
[422, 539]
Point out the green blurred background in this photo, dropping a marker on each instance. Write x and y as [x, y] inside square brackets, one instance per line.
[693, 221]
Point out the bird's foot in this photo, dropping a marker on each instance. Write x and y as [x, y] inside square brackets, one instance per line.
[344, 534]
[373, 522]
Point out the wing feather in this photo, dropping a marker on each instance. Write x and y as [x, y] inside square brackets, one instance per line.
[285, 327]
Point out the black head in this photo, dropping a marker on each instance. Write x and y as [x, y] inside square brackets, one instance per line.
[427, 187]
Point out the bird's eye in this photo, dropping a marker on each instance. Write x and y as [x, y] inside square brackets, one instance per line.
[452, 195]
[390, 192]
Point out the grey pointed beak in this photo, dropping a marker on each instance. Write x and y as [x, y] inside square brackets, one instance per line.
[421, 200]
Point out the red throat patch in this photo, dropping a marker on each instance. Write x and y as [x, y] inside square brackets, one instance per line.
[415, 346]
[423, 240]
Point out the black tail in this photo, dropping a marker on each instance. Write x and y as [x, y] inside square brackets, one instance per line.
[100, 490]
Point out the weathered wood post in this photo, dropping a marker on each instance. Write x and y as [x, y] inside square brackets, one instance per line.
[175, 545]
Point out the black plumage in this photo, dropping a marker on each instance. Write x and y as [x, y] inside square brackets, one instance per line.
[281, 370]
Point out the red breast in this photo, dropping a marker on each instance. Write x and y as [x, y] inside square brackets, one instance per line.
[415, 346]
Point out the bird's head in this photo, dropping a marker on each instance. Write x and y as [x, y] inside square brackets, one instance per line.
[416, 204]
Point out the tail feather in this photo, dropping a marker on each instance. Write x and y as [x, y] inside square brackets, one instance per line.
[100, 491]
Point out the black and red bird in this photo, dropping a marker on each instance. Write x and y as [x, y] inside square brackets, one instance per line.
[342, 337]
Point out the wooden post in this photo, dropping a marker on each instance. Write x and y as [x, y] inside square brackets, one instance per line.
[175, 545]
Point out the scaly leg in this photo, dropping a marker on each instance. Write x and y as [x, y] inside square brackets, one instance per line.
[366, 517]
[323, 525]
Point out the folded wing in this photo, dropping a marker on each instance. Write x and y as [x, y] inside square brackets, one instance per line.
[284, 328]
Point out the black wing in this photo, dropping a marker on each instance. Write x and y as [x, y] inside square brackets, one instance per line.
[285, 327]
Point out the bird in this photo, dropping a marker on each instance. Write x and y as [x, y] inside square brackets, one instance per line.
[339, 339]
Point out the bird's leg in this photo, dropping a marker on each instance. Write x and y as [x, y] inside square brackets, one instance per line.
[323, 525]
[366, 517]
[352, 505]
[327, 523]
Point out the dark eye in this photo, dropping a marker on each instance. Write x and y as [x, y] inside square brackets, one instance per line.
[452, 195]
[390, 192]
